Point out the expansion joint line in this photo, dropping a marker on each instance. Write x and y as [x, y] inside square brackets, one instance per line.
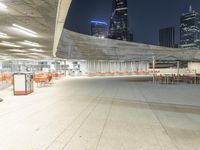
[65, 129]
[104, 126]
[107, 118]
[162, 125]
[82, 123]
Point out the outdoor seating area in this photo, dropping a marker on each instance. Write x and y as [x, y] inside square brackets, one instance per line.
[46, 79]
[5, 79]
[174, 78]
[40, 78]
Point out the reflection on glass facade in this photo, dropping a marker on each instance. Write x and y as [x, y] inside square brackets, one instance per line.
[190, 30]
[167, 37]
[119, 21]
[99, 29]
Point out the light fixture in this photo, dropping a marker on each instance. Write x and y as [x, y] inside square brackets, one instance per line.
[33, 57]
[25, 30]
[2, 5]
[5, 43]
[3, 35]
[37, 54]
[36, 50]
[29, 43]
[20, 54]
[18, 50]
[5, 58]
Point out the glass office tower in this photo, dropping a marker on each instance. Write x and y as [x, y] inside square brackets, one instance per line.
[190, 30]
[167, 37]
[119, 21]
[99, 29]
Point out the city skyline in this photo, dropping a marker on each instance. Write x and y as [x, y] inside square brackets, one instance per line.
[146, 18]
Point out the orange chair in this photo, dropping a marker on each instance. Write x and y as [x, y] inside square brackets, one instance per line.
[1, 78]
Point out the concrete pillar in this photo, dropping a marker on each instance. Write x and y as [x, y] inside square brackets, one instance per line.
[65, 64]
[178, 69]
[154, 66]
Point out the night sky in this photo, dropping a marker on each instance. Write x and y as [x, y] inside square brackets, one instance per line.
[146, 17]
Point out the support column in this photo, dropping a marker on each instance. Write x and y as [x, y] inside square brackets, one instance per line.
[65, 67]
[178, 70]
[154, 65]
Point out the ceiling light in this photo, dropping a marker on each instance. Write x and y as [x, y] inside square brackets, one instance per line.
[29, 43]
[20, 54]
[24, 59]
[17, 50]
[37, 50]
[25, 30]
[3, 35]
[2, 5]
[35, 54]
[5, 43]
[33, 57]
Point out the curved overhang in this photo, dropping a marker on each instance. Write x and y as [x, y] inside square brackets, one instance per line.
[31, 28]
[78, 46]
[63, 8]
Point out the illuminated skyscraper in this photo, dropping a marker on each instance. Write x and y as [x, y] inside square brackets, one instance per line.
[99, 29]
[190, 30]
[119, 21]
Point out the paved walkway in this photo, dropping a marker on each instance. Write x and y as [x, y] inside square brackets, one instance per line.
[102, 114]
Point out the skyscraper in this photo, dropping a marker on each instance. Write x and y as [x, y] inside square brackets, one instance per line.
[167, 37]
[99, 29]
[190, 30]
[119, 21]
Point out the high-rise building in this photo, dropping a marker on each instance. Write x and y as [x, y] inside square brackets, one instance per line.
[190, 30]
[131, 38]
[119, 21]
[167, 37]
[99, 29]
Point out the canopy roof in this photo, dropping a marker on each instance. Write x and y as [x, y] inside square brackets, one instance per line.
[78, 46]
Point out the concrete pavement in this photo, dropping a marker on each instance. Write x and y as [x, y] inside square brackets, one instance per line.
[102, 114]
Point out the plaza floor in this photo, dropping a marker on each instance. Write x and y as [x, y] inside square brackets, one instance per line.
[102, 114]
